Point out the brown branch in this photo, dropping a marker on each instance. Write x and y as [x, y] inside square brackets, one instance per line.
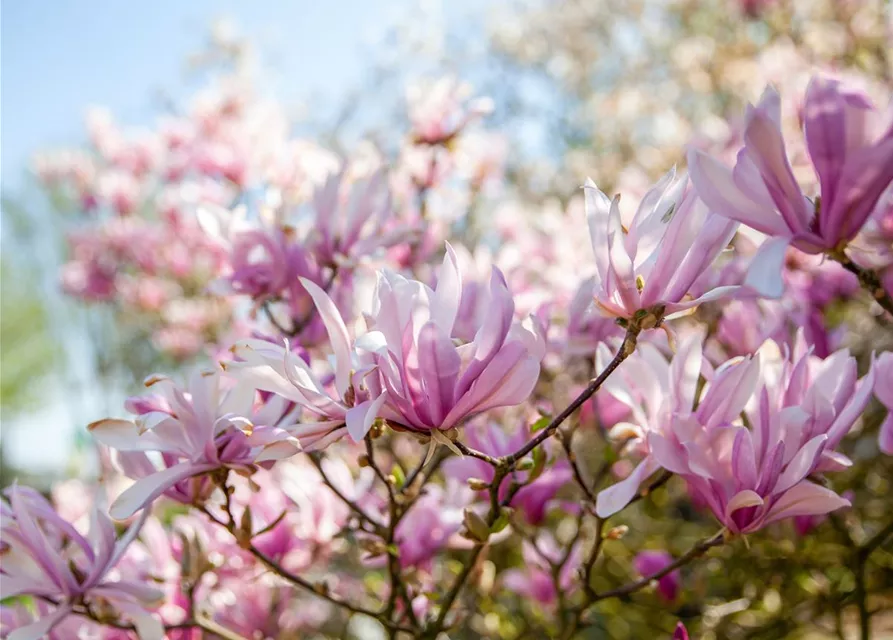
[320, 590]
[626, 350]
[696, 551]
[353, 506]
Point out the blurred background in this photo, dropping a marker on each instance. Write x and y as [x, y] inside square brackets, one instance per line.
[611, 90]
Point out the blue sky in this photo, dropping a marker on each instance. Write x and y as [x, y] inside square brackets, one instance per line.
[59, 58]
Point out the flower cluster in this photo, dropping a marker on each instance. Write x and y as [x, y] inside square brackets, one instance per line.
[509, 385]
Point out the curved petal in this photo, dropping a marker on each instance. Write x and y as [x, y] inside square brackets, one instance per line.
[338, 336]
[42, 627]
[764, 275]
[611, 500]
[147, 489]
[359, 419]
[805, 499]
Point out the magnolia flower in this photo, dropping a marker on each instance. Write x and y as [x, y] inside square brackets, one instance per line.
[851, 150]
[352, 220]
[266, 260]
[434, 381]
[798, 409]
[655, 390]
[197, 430]
[649, 263]
[883, 390]
[46, 557]
[650, 562]
[275, 369]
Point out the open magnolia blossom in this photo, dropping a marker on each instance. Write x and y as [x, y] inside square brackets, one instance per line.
[647, 264]
[197, 430]
[749, 473]
[432, 380]
[850, 144]
[45, 556]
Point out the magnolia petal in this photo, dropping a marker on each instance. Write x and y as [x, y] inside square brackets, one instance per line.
[338, 335]
[764, 275]
[42, 627]
[359, 419]
[611, 500]
[805, 499]
[742, 500]
[124, 435]
[715, 185]
[801, 464]
[147, 489]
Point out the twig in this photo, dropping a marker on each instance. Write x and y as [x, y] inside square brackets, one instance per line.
[626, 350]
[353, 506]
[695, 552]
[320, 590]
[861, 564]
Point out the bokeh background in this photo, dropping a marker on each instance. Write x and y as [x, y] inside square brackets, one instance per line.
[607, 89]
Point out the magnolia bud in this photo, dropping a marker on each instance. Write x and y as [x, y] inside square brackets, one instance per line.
[477, 527]
[477, 484]
[525, 465]
[617, 532]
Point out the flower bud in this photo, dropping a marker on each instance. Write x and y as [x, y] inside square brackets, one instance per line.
[617, 532]
[476, 526]
[477, 484]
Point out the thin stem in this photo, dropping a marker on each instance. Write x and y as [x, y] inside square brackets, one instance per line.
[626, 349]
[319, 590]
[509, 461]
[868, 278]
[695, 552]
[861, 565]
[353, 506]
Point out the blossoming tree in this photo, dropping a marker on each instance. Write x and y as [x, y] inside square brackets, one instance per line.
[410, 403]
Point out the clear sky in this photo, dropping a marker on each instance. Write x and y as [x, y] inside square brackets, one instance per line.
[60, 57]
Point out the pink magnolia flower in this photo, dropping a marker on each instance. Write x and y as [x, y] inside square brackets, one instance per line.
[798, 409]
[883, 390]
[651, 261]
[46, 557]
[197, 430]
[650, 562]
[353, 219]
[432, 381]
[851, 150]
[354, 404]
[266, 260]
[534, 580]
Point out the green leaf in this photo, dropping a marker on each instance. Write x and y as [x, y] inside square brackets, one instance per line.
[399, 476]
[539, 464]
[501, 522]
[540, 424]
